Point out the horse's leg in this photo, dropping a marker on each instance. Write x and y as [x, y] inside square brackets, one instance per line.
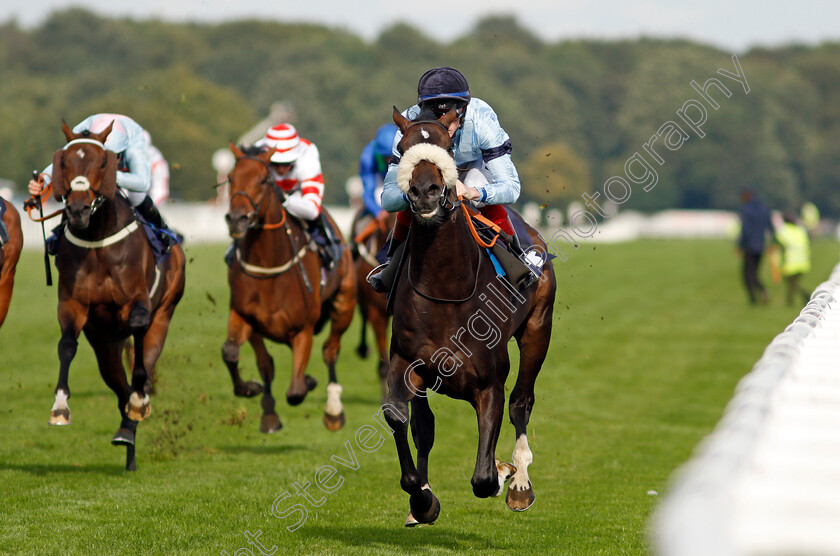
[379, 322]
[270, 422]
[533, 339]
[72, 317]
[424, 506]
[362, 350]
[423, 433]
[109, 360]
[490, 408]
[153, 344]
[341, 315]
[238, 331]
[139, 320]
[301, 383]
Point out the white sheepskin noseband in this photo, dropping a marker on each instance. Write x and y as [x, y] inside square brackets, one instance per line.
[434, 154]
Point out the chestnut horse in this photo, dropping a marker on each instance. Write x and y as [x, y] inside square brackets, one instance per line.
[451, 338]
[372, 305]
[276, 290]
[109, 285]
[9, 255]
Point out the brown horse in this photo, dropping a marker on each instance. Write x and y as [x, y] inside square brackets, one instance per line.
[372, 305]
[452, 322]
[276, 290]
[109, 285]
[9, 255]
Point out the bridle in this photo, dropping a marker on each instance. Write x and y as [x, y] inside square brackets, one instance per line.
[443, 200]
[268, 184]
[96, 198]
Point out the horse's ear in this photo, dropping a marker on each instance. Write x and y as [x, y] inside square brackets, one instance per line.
[401, 121]
[108, 187]
[266, 155]
[57, 177]
[448, 118]
[102, 135]
[68, 133]
[237, 152]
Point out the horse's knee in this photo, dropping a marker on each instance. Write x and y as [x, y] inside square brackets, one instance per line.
[230, 352]
[139, 318]
[67, 348]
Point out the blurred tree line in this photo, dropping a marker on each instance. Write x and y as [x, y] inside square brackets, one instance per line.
[575, 110]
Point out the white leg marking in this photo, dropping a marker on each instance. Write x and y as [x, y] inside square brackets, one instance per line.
[334, 406]
[505, 470]
[60, 401]
[522, 458]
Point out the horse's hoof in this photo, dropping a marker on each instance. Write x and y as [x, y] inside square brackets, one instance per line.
[248, 389]
[123, 437]
[137, 408]
[60, 417]
[505, 471]
[417, 516]
[270, 423]
[334, 422]
[520, 500]
[310, 382]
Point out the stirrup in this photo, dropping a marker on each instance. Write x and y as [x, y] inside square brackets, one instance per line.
[374, 278]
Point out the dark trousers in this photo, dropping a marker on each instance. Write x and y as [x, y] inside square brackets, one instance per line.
[755, 289]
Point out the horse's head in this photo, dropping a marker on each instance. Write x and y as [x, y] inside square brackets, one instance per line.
[427, 172]
[250, 182]
[84, 174]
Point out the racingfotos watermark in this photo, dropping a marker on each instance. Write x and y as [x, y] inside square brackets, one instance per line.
[640, 167]
[294, 503]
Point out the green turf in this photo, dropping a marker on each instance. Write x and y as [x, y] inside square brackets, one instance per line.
[649, 340]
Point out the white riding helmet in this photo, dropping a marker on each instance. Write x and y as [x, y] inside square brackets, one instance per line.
[117, 140]
[285, 141]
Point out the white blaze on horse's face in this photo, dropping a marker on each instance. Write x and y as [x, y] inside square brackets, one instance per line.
[80, 183]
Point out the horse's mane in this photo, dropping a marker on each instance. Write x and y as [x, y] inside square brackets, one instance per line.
[425, 115]
[251, 150]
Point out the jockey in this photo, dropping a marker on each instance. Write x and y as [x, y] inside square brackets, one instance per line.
[159, 191]
[127, 140]
[373, 166]
[487, 176]
[297, 166]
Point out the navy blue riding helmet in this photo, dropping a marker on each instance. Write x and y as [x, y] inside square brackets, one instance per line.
[443, 89]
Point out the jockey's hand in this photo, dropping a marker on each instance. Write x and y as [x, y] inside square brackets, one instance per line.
[35, 188]
[468, 193]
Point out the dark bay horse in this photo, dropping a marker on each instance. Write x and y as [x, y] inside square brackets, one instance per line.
[372, 305]
[109, 285]
[9, 255]
[452, 322]
[276, 291]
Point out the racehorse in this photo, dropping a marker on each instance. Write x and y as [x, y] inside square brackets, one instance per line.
[9, 255]
[109, 284]
[276, 291]
[372, 305]
[451, 339]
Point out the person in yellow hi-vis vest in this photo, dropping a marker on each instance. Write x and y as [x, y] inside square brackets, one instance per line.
[796, 255]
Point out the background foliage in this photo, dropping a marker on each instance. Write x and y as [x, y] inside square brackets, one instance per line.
[195, 87]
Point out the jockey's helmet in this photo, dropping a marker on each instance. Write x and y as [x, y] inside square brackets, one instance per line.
[117, 140]
[384, 143]
[443, 89]
[285, 141]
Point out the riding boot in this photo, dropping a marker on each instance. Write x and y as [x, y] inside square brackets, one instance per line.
[383, 280]
[151, 214]
[51, 243]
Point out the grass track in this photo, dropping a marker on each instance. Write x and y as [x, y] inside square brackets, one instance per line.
[650, 338]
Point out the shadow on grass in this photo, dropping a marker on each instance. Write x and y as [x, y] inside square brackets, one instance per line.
[42, 469]
[413, 540]
[264, 450]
